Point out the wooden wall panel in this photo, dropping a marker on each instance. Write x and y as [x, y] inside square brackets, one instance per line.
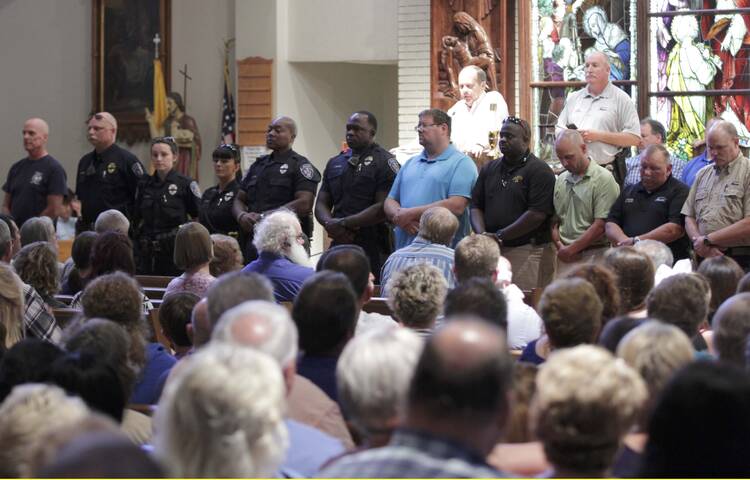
[496, 18]
[254, 99]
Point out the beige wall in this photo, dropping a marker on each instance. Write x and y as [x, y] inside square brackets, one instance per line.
[319, 78]
[45, 50]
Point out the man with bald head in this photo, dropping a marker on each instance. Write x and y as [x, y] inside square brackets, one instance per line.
[268, 327]
[36, 184]
[282, 179]
[604, 114]
[108, 176]
[476, 113]
[717, 210]
[456, 410]
[583, 197]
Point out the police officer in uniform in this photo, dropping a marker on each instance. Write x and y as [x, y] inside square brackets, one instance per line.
[108, 176]
[216, 203]
[355, 185]
[282, 179]
[165, 200]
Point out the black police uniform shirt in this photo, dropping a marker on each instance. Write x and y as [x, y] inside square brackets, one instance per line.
[29, 183]
[637, 211]
[353, 180]
[107, 180]
[504, 193]
[273, 180]
[216, 209]
[162, 206]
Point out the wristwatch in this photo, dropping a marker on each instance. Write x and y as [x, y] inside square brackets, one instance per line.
[499, 236]
[707, 241]
[636, 240]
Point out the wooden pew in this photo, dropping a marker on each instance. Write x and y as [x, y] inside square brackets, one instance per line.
[531, 297]
[63, 316]
[153, 318]
[154, 293]
[153, 281]
[378, 305]
[64, 248]
[66, 299]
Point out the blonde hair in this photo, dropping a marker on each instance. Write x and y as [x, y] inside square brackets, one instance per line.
[416, 295]
[656, 350]
[11, 305]
[586, 400]
[27, 416]
[222, 415]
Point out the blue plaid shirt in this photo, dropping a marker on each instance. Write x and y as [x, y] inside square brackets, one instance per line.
[419, 251]
[412, 454]
[633, 169]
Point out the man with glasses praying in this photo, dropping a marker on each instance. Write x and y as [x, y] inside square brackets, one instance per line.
[108, 176]
[512, 202]
[440, 176]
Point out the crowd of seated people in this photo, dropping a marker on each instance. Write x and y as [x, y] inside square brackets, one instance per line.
[254, 359]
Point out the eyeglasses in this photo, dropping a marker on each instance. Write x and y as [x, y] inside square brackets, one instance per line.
[420, 127]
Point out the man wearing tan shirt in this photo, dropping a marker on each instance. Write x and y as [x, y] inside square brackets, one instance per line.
[717, 210]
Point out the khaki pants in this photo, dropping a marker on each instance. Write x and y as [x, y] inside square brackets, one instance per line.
[533, 265]
[587, 256]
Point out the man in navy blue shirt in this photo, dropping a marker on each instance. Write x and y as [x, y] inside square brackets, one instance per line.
[37, 183]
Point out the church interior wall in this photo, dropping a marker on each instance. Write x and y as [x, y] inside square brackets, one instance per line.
[45, 47]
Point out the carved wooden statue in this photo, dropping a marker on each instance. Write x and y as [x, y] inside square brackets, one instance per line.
[469, 46]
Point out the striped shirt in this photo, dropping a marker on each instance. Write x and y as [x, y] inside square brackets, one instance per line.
[633, 169]
[420, 250]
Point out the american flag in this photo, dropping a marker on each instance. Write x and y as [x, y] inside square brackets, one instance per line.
[227, 117]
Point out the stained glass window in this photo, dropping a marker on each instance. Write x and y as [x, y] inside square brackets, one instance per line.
[563, 32]
[696, 50]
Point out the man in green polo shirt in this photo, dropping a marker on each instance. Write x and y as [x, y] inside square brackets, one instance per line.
[583, 197]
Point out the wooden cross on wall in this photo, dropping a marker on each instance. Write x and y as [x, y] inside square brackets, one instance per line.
[185, 78]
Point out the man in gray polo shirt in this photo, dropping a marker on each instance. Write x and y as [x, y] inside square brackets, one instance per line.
[604, 114]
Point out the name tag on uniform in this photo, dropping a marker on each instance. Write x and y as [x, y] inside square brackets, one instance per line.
[660, 199]
[629, 200]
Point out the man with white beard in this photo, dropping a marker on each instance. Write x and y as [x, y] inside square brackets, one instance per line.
[282, 257]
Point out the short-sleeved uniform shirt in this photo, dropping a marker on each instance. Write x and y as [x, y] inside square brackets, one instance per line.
[422, 181]
[29, 183]
[720, 197]
[107, 180]
[353, 180]
[578, 202]
[273, 180]
[216, 209]
[505, 192]
[611, 111]
[471, 126]
[638, 211]
[163, 206]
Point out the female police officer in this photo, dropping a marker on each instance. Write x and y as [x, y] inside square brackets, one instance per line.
[216, 203]
[165, 200]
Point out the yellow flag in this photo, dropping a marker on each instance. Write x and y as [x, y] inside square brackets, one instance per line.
[160, 94]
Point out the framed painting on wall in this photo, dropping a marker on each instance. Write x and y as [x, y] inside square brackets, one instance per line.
[123, 47]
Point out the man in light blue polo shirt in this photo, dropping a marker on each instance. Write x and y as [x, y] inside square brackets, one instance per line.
[440, 176]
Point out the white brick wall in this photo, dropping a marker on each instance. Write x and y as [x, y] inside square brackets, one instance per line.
[413, 65]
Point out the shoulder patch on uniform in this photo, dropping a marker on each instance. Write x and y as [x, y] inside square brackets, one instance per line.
[393, 163]
[195, 189]
[137, 169]
[309, 172]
